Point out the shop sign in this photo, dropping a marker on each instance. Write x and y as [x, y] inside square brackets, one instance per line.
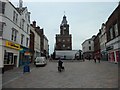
[13, 45]
[27, 53]
[109, 48]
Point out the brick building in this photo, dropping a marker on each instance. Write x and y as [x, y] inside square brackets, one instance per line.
[38, 43]
[113, 36]
[97, 46]
[64, 39]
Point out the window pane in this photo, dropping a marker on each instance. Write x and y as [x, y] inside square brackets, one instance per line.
[2, 7]
[15, 37]
[27, 39]
[111, 33]
[1, 28]
[16, 17]
[116, 29]
[13, 15]
[22, 37]
[89, 47]
[12, 36]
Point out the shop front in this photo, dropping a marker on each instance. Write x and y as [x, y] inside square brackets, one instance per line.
[113, 54]
[97, 54]
[25, 56]
[104, 55]
[11, 55]
[117, 55]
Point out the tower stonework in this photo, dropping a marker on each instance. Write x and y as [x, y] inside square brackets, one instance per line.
[64, 39]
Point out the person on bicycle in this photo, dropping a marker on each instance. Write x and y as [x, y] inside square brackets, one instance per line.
[60, 62]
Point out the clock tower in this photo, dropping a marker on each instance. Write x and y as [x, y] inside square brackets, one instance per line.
[64, 39]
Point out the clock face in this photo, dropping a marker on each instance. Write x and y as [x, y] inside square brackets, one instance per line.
[64, 28]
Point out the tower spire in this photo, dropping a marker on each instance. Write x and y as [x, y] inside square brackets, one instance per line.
[64, 21]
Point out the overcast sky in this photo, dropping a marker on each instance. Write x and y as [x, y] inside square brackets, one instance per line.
[84, 18]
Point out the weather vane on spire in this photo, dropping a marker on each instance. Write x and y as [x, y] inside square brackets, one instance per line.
[64, 12]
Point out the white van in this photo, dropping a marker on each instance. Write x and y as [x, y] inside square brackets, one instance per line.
[40, 61]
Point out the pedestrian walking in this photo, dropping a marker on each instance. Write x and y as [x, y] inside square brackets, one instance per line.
[89, 58]
[95, 59]
[98, 59]
[83, 59]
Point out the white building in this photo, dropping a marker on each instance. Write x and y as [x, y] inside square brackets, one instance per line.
[66, 54]
[14, 34]
[103, 40]
[88, 48]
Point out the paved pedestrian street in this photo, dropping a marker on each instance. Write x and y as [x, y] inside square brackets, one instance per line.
[76, 75]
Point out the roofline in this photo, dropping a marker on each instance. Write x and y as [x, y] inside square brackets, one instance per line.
[116, 9]
[15, 7]
[86, 40]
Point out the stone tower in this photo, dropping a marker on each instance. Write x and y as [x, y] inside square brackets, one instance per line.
[64, 39]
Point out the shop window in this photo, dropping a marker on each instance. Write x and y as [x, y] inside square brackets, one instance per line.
[112, 57]
[118, 56]
[8, 58]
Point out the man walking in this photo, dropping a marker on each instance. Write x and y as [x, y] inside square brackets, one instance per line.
[95, 59]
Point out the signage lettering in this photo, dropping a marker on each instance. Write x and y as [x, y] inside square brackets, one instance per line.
[13, 45]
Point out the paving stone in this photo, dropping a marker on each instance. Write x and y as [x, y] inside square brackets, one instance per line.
[76, 75]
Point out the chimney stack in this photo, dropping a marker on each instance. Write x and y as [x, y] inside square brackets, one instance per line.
[20, 4]
[34, 23]
[38, 27]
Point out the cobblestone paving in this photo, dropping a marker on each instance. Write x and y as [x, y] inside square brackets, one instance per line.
[76, 75]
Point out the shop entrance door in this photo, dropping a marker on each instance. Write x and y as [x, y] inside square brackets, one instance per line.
[15, 60]
[10, 58]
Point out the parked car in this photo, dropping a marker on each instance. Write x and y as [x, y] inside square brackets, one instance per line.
[40, 61]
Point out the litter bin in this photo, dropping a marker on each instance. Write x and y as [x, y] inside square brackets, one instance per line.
[26, 68]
